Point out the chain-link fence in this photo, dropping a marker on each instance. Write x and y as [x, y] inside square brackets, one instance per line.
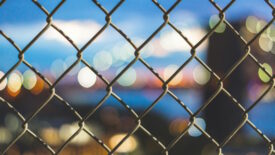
[138, 58]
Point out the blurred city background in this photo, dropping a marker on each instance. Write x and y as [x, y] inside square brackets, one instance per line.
[138, 87]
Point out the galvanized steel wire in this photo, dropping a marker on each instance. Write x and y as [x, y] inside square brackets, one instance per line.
[137, 58]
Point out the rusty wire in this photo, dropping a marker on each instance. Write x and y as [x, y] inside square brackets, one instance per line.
[165, 88]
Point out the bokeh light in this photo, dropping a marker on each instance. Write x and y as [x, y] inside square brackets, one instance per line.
[69, 61]
[51, 136]
[13, 94]
[5, 135]
[122, 52]
[58, 67]
[193, 131]
[129, 145]
[102, 60]
[3, 84]
[265, 43]
[86, 77]
[262, 75]
[39, 86]
[11, 122]
[15, 82]
[273, 49]
[177, 126]
[169, 71]
[271, 32]
[260, 25]
[214, 19]
[67, 130]
[29, 79]
[128, 78]
[251, 23]
[201, 75]
[147, 50]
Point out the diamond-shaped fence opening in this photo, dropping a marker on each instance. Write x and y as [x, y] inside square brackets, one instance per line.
[137, 77]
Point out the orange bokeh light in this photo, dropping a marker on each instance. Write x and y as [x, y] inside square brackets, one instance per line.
[13, 94]
[39, 86]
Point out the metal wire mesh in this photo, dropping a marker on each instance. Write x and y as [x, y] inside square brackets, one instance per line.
[138, 58]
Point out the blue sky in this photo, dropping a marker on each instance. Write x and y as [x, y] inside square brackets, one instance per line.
[17, 11]
[22, 20]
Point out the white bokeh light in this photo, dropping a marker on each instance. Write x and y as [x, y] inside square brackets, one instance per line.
[169, 71]
[15, 81]
[129, 145]
[86, 77]
[193, 131]
[29, 79]
[260, 25]
[213, 21]
[67, 130]
[265, 43]
[58, 67]
[102, 60]
[201, 75]
[147, 50]
[271, 33]
[128, 78]
[251, 23]
[122, 52]
[69, 61]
